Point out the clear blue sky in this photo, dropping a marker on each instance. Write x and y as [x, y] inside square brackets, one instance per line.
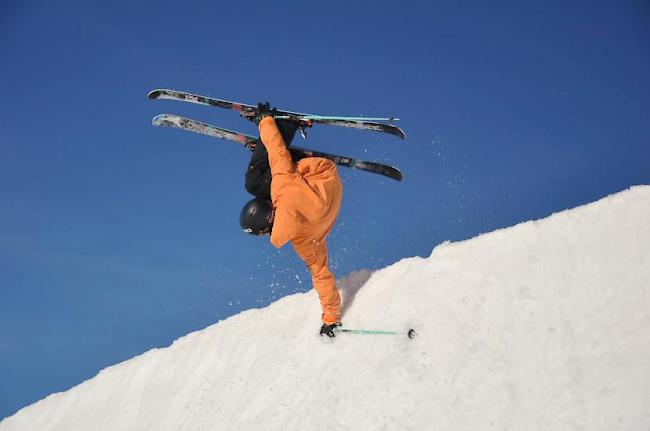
[116, 236]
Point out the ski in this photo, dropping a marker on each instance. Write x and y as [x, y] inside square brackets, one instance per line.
[304, 120]
[175, 121]
[248, 141]
[349, 162]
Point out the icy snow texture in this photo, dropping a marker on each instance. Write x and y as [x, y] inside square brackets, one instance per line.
[542, 326]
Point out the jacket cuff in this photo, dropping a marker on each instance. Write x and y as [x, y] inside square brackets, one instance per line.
[268, 120]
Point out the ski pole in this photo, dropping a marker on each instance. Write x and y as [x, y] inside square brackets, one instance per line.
[326, 118]
[411, 332]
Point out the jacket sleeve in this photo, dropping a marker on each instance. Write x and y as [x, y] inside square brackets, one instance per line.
[279, 157]
[287, 186]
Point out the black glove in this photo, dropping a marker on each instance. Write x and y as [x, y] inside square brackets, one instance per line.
[329, 329]
[264, 110]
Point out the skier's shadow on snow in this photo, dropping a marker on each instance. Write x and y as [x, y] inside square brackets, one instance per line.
[350, 285]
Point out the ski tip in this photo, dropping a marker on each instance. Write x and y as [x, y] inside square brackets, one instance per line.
[154, 94]
[391, 172]
[399, 132]
[411, 333]
[160, 119]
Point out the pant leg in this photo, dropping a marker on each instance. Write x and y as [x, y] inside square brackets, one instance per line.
[258, 174]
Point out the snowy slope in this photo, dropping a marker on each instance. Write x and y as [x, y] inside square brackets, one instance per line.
[542, 326]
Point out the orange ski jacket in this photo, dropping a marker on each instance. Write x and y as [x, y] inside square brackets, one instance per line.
[307, 199]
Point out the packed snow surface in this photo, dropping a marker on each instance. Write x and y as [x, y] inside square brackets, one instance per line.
[542, 326]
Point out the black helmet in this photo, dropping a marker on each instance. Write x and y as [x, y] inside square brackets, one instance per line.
[256, 217]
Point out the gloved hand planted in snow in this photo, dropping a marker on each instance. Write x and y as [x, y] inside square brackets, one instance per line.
[329, 329]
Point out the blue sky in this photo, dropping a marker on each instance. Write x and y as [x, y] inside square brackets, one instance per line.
[116, 236]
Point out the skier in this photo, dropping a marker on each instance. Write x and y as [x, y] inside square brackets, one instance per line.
[295, 201]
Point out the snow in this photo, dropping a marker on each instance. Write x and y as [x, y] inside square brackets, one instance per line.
[544, 326]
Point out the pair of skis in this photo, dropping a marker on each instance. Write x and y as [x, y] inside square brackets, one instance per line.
[303, 120]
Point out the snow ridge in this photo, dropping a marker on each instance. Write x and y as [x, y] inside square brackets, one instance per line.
[543, 326]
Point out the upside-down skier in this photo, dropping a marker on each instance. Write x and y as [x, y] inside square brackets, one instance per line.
[296, 201]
